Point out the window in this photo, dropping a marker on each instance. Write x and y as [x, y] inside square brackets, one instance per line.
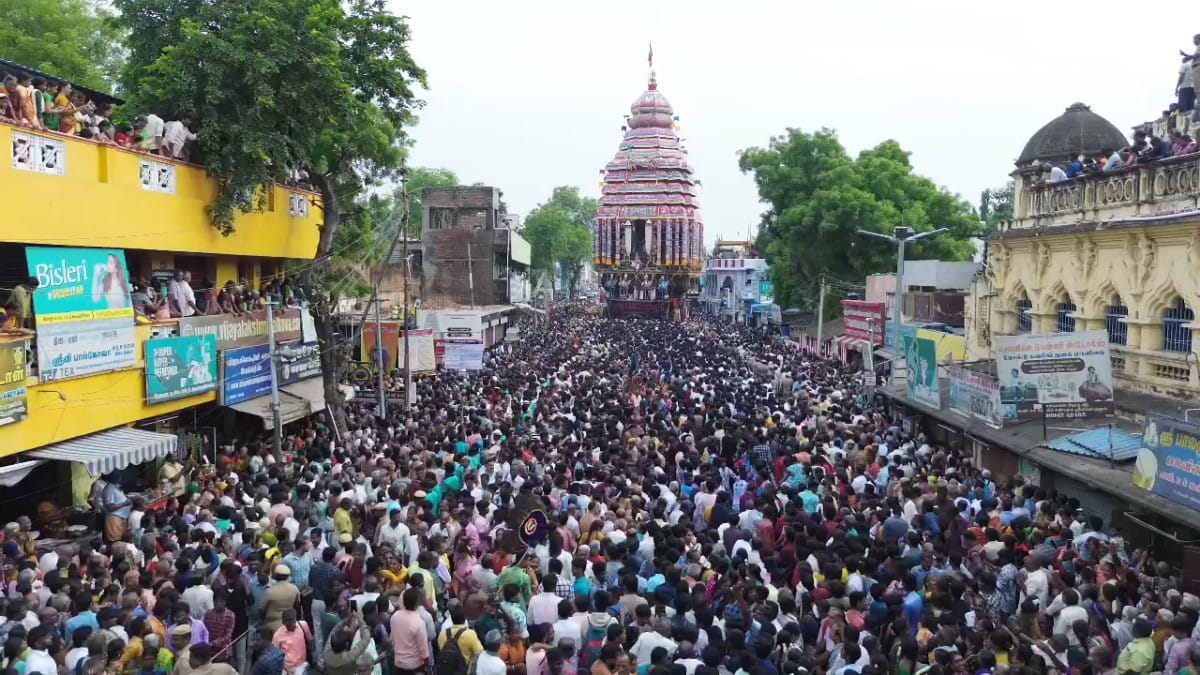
[1114, 321]
[1177, 337]
[441, 218]
[1024, 315]
[1065, 316]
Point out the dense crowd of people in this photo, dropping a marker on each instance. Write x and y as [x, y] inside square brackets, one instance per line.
[610, 497]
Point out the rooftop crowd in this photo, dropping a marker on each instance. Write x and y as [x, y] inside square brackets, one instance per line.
[717, 503]
[43, 104]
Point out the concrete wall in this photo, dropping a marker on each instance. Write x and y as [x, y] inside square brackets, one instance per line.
[446, 270]
[939, 275]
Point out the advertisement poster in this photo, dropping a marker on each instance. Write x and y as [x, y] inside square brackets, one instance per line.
[245, 330]
[421, 358]
[464, 355]
[245, 374]
[920, 359]
[84, 311]
[391, 344]
[1168, 463]
[297, 361]
[858, 316]
[12, 382]
[1067, 374]
[179, 367]
[975, 395]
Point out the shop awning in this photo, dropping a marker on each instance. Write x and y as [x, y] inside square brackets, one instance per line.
[311, 390]
[111, 450]
[848, 342]
[291, 408]
[15, 473]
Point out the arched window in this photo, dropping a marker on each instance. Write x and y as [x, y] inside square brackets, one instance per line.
[1065, 316]
[1114, 321]
[1024, 315]
[1177, 337]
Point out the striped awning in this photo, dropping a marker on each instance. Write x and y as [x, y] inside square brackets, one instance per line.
[849, 342]
[110, 450]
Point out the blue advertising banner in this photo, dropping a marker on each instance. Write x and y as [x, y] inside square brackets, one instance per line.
[84, 311]
[245, 374]
[1168, 464]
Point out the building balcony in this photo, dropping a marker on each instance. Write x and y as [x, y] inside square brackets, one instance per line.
[1159, 189]
[69, 191]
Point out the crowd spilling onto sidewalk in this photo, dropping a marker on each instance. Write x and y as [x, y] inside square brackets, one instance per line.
[610, 497]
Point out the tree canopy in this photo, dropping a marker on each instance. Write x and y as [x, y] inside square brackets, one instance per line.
[75, 40]
[818, 197]
[275, 87]
[420, 178]
[559, 234]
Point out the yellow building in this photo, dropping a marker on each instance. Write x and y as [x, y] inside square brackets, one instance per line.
[1116, 250]
[61, 191]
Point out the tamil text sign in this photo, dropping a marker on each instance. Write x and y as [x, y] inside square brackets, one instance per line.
[464, 355]
[84, 311]
[13, 407]
[244, 330]
[858, 317]
[920, 360]
[975, 395]
[1168, 464]
[297, 361]
[1060, 375]
[179, 367]
[245, 373]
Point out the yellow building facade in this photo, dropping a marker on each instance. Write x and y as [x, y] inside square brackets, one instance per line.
[1116, 251]
[72, 192]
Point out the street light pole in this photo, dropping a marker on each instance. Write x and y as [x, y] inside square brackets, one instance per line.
[902, 236]
[404, 221]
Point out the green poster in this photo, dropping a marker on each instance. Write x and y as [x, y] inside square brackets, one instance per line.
[12, 382]
[920, 360]
[179, 367]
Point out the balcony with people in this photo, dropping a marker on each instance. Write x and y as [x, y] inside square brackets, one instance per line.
[133, 172]
[1079, 169]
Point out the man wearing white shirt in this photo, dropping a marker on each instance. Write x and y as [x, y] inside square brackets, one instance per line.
[1037, 581]
[39, 659]
[646, 642]
[395, 533]
[543, 607]
[1069, 614]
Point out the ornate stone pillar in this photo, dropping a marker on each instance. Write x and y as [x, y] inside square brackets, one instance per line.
[686, 258]
[670, 250]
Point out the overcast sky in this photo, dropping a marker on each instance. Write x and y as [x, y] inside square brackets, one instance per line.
[530, 94]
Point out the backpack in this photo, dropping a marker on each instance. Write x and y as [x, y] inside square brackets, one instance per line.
[450, 660]
[593, 642]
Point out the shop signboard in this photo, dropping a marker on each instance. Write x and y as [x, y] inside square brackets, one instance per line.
[245, 374]
[1068, 374]
[766, 291]
[13, 407]
[920, 360]
[1168, 463]
[857, 316]
[84, 311]
[245, 330]
[460, 325]
[975, 395]
[297, 361]
[178, 367]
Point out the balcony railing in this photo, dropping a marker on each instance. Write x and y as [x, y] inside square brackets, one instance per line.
[1159, 188]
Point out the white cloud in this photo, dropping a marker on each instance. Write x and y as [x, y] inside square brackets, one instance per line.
[530, 94]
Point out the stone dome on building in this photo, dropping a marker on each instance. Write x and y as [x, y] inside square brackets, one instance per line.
[651, 109]
[1077, 130]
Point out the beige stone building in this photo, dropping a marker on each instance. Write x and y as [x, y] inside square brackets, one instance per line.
[1115, 250]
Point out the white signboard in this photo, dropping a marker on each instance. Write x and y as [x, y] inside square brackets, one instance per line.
[297, 205]
[460, 325]
[157, 176]
[38, 154]
[464, 355]
[1068, 374]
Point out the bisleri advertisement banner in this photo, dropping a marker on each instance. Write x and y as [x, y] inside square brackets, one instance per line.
[1059, 375]
[84, 311]
[1168, 463]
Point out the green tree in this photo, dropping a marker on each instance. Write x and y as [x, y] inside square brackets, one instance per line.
[818, 197]
[996, 207]
[559, 235]
[275, 86]
[420, 178]
[72, 39]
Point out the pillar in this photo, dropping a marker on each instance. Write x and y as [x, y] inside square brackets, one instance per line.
[686, 258]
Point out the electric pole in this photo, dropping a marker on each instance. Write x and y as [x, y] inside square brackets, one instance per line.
[276, 416]
[821, 319]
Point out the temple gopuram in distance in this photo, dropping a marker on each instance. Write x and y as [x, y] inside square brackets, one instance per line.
[648, 237]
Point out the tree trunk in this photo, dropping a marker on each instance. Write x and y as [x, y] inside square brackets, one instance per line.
[322, 305]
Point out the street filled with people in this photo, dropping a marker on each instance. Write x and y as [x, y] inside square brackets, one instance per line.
[608, 497]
